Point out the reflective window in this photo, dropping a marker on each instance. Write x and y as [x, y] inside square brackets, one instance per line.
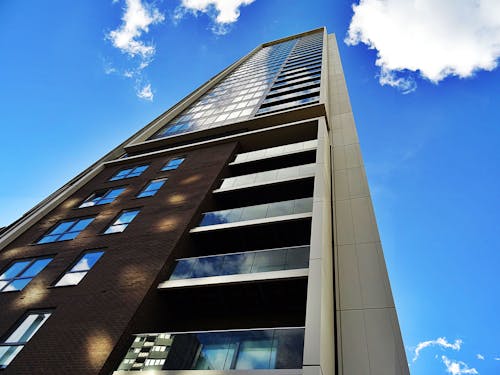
[288, 105]
[152, 188]
[66, 230]
[293, 95]
[303, 65]
[80, 269]
[260, 211]
[275, 151]
[24, 331]
[173, 164]
[275, 175]
[242, 263]
[20, 273]
[220, 350]
[129, 173]
[102, 197]
[236, 96]
[121, 223]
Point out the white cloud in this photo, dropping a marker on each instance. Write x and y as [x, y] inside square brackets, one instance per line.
[435, 39]
[136, 20]
[440, 341]
[480, 356]
[145, 92]
[457, 367]
[497, 358]
[222, 12]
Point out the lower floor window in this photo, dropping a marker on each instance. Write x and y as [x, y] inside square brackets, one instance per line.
[22, 333]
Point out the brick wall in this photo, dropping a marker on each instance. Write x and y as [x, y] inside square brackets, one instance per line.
[94, 318]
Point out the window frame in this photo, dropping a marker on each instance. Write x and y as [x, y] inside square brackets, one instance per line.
[138, 209]
[145, 188]
[164, 168]
[131, 171]
[76, 221]
[74, 263]
[19, 274]
[106, 191]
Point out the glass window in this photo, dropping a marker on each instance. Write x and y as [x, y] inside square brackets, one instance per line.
[80, 269]
[238, 263]
[183, 269]
[266, 261]
[66, 230]
[280, 208]
[254, 212]
[102, 197]
[20, 336]
[20, 273]
[208, 266]
[122, 221]
[152, 188]
[129, 172]
[173, 164]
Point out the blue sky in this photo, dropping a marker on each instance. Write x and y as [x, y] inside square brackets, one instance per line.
[424, 90]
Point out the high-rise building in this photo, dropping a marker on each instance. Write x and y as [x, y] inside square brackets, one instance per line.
[233, 232]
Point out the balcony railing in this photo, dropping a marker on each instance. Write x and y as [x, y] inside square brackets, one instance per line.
[275, 151]
[276, 175]
[279, 348]
[242, 263]
[260, 211]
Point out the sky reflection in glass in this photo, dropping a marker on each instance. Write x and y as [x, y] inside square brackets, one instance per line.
[241, 263]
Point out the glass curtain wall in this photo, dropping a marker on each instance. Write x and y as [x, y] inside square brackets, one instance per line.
[236, 97]
[280, 348]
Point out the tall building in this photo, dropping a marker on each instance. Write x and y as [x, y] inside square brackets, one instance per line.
[233, 232]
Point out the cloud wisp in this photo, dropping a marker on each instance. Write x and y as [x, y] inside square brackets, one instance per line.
[223, 13]
[457, 367]
[480, 357]
[432, 39]
[145, 92]
[441, 342]
[137, 18]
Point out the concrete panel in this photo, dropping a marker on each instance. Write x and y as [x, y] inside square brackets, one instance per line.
[341, 185]
[312, 343]
[343, 217]
[373, 278]
[337, 137]
[384, 347]
[348, 129]
[357, 184]
[339, 158]
[355, 356]
[312, 370]
[365, 229]
[353, 156]
[350, 296]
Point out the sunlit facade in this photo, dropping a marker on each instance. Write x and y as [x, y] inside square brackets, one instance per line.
[235, 232]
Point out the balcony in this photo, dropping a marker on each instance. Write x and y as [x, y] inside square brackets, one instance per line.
[268, 177]
[283, 263]
[256, 349]
[275, 152]
[256, 215]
